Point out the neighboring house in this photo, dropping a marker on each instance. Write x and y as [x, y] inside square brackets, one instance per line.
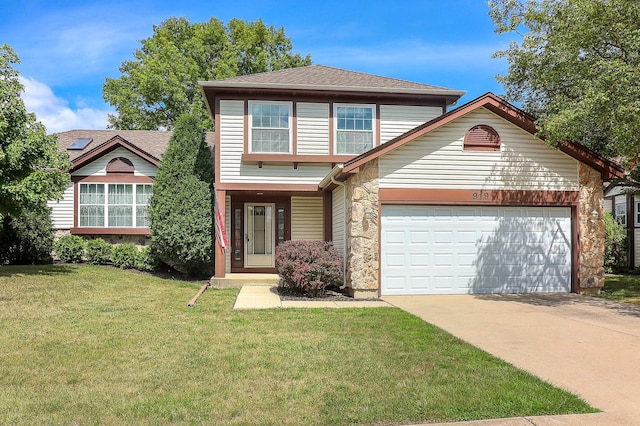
[417, 199]
[624, 206]
[112, 177]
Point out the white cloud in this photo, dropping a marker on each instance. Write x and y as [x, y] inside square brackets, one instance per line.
[55, 113]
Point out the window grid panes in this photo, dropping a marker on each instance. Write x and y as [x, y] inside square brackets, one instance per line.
[117, 207]
[354, 129]
[143, 194]
[270, 128]
[92, 205]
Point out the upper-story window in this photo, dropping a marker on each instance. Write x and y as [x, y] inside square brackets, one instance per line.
[354, 128]
[270, 129]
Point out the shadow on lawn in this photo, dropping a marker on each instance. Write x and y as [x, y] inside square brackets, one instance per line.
[566, 299]
[46, 270]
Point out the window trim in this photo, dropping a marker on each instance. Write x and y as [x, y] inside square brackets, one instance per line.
[372, 107]
[251, 103]
[116, 229]
[621, 218]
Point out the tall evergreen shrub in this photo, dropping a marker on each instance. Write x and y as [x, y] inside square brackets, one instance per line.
[615, 245]
[181, 206]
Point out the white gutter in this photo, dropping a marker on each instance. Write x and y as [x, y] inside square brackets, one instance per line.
[331, 177]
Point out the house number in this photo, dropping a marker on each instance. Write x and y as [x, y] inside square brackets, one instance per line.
[481, 195]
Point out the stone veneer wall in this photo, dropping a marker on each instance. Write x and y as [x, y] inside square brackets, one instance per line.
[591, 232]
[361, 231]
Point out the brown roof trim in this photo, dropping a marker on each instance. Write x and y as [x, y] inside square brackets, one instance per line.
[108, 146]
[504, 109]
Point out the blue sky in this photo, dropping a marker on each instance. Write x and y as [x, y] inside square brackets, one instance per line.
[68, 48]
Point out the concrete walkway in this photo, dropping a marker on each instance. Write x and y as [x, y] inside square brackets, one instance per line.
[586, 345]
[266, 297]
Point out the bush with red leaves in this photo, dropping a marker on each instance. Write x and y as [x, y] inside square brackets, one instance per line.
[308, 266]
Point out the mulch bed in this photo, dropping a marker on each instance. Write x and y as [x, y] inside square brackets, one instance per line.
[331, 294]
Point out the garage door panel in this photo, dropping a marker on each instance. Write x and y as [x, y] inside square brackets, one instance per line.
[480, 249]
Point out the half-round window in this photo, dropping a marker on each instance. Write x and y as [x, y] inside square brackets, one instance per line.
[482, 138]
[120, 165]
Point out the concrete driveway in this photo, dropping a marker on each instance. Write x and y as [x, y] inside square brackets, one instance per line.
[586, 345]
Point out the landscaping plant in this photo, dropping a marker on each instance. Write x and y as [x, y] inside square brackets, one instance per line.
[615, 245]
[181, 206]
[26, 238]
[308, 266]
[70, 248]
[124, 255]
[98, 252]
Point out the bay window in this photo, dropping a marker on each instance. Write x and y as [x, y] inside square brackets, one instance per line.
[117, 205]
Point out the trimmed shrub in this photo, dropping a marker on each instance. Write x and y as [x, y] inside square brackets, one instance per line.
[615, 245]
[308, 266]
[147, 260]
[26, 239]
[124, 255]
[70, 248]
[98, 252]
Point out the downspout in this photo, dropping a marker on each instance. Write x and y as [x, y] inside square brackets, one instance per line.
[344, 233]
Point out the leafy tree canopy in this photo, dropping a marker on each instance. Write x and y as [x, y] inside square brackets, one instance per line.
[162, 82]
[32, 170]
[575, 68]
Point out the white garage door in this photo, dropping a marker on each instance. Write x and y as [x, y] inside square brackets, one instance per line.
[461, 250]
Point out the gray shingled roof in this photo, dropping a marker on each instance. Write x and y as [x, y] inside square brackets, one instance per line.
[154, 142]
[328, 78]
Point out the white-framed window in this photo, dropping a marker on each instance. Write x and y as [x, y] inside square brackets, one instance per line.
[621, 213]
[354, 128]
[270, 127]
[117, 205]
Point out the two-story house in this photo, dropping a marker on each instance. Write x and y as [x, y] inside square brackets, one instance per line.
[419, 198]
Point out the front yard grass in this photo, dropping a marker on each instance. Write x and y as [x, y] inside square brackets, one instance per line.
[96, 345]
[623, 288]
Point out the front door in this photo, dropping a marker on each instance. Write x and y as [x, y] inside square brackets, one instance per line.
[260, 244]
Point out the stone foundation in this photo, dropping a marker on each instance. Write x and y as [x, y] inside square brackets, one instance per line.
[591, 230]
[361, 230]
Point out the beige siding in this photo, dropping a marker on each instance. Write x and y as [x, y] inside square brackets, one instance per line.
[231, 139]
[307, 218]
[608, 205]
[62, 210]
[438, 161]
[233, 170]
[338, 219]
[397, 119]
[313, 128]
[99, 166]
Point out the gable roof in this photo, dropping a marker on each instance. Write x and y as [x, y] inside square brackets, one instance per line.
[322, 77]
[147, 144]
[504, 109]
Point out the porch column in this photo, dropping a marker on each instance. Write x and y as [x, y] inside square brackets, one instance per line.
[220, 256]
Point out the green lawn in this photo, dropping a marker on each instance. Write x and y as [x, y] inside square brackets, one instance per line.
[94, 345]
[624, 288]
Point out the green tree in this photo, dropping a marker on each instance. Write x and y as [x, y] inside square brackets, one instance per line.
[181, 206]
[575, 68]
[32, 170]
[162, 82]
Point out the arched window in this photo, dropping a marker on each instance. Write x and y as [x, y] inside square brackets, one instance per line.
[482, 138]
[120, 165]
